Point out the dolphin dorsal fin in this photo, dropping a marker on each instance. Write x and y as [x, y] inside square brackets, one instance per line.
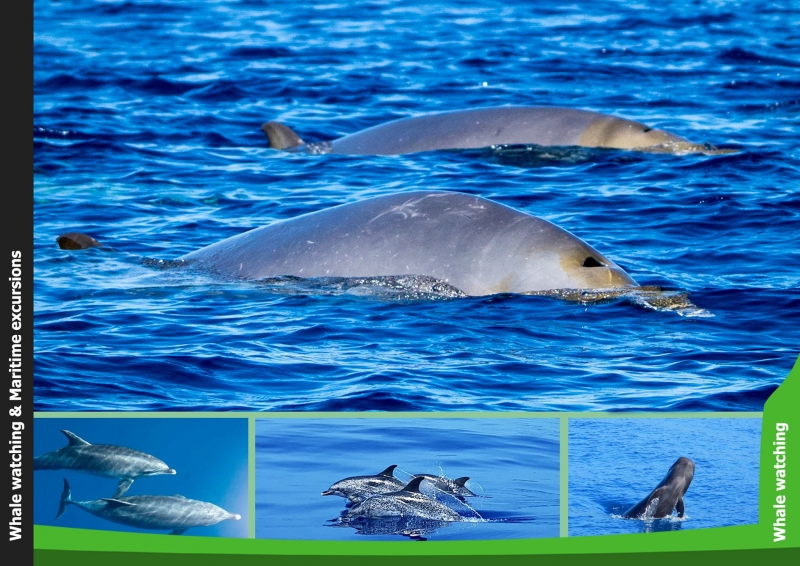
[461, 481]
[413, 485]
[280, 136]
[388, 472]
[74, 439]
[117, 502]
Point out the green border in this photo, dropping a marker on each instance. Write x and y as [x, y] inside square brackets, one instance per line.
[65, 545]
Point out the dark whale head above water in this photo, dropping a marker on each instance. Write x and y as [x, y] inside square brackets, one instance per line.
[485, 127]
[475, 245]
[667, 495]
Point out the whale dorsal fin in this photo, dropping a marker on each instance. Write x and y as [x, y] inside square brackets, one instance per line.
[280, 136]
[413, 485]
[461, 481]
[117, 502]
[74, 439]
[388, 472]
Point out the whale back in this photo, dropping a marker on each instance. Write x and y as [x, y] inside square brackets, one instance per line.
[476, 245]
[513, 125]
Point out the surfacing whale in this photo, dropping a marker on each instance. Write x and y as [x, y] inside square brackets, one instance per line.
[359, 488]
[473, 244]
[156, 512]
[105, 460]
[667, 495]
[486, 127]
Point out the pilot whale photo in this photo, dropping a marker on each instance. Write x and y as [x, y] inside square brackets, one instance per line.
[668, 495]
[493, 126]
[210, 486]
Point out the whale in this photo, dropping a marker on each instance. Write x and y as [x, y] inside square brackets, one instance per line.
[406, 502]
[173, 513]
[485, 127]
[106, 460]
[454, 487]
[472, 244]
[358, 488]
[77, 241]
[667, 495]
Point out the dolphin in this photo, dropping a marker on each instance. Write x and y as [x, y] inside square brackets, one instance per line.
[455, 487]
[104, 460]
[407, 502]
[359, 488]
[667, 495]
[472, 244]
[485, 127]
[156, 512]
[77, 241]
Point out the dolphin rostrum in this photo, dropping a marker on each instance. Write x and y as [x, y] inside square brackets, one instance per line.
[475, 245]
[667, 495]
[157, 512]
[104, 460]
[407, 502]
[454, 487]
[485, 127]
[359, 488]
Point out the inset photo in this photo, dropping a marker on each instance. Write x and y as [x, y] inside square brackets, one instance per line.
[158, 475]
[662, 474]
[375, 478]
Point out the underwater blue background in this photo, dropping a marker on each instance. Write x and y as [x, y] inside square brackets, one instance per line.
[147, 136]
[209, 457]
[615, 463]
[513, 466]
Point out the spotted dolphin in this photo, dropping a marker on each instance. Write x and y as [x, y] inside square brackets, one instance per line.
[667, 495]
[455, 487]
[104, 460]
[475, 245]
[485, 127]
[407, 502]
[173, 513]
[359, 488]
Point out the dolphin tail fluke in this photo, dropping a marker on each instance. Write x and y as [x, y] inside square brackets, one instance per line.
[66, 498]
[280, 136]
[123, 486]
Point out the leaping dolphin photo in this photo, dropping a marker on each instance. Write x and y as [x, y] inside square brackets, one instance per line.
[667, 495]
[104, 460]
[475, 245]
[407, 502]
[485, 127]
[155, 512]
[359, 488]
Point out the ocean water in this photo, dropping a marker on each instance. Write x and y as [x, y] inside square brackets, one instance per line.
[513, 466]
[608, 475]
[147, 136]
[209, 457]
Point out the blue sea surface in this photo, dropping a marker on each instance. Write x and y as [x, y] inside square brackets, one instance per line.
[147, 133]
[209, 457]
[512, 463]
[615, 463]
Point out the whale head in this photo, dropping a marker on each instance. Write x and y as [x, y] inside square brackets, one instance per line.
[619, 133]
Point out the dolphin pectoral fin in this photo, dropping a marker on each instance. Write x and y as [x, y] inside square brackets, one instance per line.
[111, 502]
[679, 506]
[178, 532]
[123, 486]
[388, 472]
[74, 439]
[280, 136]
